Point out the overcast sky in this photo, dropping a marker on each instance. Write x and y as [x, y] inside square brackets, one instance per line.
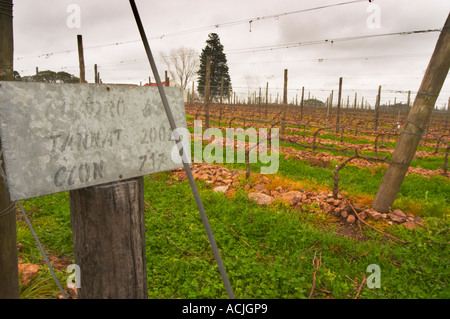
[43, 38]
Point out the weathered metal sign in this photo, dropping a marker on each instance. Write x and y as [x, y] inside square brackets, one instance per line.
[59, 137]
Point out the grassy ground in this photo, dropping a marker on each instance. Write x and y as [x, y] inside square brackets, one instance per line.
[269, 252]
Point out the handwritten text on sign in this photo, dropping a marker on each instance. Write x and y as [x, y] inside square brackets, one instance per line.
[59, 137]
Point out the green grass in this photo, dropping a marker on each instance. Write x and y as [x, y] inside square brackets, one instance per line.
[266, 260]
[264, 249]
[356, 140]
[429, 194]
[268, 251]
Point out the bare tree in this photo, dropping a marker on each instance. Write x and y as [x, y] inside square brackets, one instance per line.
[253, 82]
[182, 64]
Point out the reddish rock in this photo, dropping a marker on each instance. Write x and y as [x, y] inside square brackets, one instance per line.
[264, 179]
[292, 197]
[344, 214]
[351, 219]
[261, 199]
[410, 225]
[221, 189]
[397, 218]
[373, 213]
[260, 188]
[28, 272]
[399, 212]
[333, 201]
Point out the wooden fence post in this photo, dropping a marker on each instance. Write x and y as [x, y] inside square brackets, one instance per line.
[109, 240]
[207, 90]
[259, 102]
[221, 89]
[267, 97]
[377, 108]
[302, 103]
[416, 123]
[330, 103]
[9, 278]
[95, 74]
[339, 105]
[408, 102]
[81, 58]
[283, 119]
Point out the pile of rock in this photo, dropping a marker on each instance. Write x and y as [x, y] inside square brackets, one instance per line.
[262, 192]
[395, 217]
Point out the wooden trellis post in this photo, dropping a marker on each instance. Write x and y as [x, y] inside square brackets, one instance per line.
[207, 90]
[283, 118]
[416, 123]
[109, 240]
[339, 105]
[301, 103]
[377, 109]
[9, 280]
[81, 58]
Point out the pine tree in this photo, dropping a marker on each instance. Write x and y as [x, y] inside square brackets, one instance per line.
[219, 68]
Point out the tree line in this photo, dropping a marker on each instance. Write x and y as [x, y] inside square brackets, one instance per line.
[47, 76]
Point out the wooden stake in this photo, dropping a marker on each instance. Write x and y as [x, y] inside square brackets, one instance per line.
[301, 103]
[416, 123]
[377, 108]
[267, 98]
[330, 103]
[408, 102]
[259, 102]
[9, 278]
[81, 58]
[167, 80]
[283, 119]
[207, 90]
[108, 230]
[339, 105]
[221, 90]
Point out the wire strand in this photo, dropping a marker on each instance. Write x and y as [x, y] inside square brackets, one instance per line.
[44, 255]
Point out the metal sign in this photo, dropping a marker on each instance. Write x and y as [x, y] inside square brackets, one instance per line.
[59, 137]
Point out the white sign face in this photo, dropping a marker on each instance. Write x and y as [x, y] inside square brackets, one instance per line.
[59, 137]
